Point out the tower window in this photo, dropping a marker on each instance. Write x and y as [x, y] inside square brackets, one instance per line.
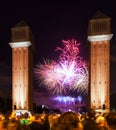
[19, 34]
[100, 27]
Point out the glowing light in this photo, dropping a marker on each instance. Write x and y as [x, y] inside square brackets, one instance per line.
[100, 38]
[69, 74]
[20, 44]
[65, 99]
[79, 98]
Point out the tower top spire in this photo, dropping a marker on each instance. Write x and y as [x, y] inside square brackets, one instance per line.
[22, 23]
[99, 15]
[21, 32]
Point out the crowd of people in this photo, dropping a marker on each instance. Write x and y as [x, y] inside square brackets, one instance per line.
[65, 121]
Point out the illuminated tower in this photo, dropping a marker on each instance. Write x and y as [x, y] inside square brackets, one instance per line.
[22, 44]
[99, 36]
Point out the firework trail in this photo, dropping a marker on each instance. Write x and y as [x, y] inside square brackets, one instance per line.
[69, 74]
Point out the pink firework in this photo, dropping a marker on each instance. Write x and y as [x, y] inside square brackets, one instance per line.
[69, 74]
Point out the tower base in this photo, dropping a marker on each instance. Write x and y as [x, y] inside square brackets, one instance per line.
[19, 112]
[107, 110]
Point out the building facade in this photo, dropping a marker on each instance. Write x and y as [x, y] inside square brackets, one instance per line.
[99, 36]
[22, 44]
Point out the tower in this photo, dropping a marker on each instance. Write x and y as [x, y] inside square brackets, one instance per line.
[22, 44]
[99, 36]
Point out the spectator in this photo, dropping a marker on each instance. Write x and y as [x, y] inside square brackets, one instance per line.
[35, 124]
[111, 120]
[90, 123]
[69, 121]
[13, 124]
[101, 122]
[46, 124]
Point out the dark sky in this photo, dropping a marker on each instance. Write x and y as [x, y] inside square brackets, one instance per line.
[50, 22]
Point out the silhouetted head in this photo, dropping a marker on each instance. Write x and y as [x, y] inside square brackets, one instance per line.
[111, 119]
[69, 119]
[91, 113]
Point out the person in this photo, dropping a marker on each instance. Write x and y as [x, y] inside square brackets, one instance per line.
[53, 120]
[25, 121]
[111, 120]
[13, 124]
[69, 121]
[2, 122]
[46, 124]
[36, 123]
[101, 122]
[90, 121]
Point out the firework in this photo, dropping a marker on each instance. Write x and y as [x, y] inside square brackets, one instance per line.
[70, 73]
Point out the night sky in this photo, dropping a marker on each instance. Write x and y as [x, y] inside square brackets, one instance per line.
[50, 23]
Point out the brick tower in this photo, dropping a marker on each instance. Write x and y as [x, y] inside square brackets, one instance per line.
[22, 44]
[99, 36]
